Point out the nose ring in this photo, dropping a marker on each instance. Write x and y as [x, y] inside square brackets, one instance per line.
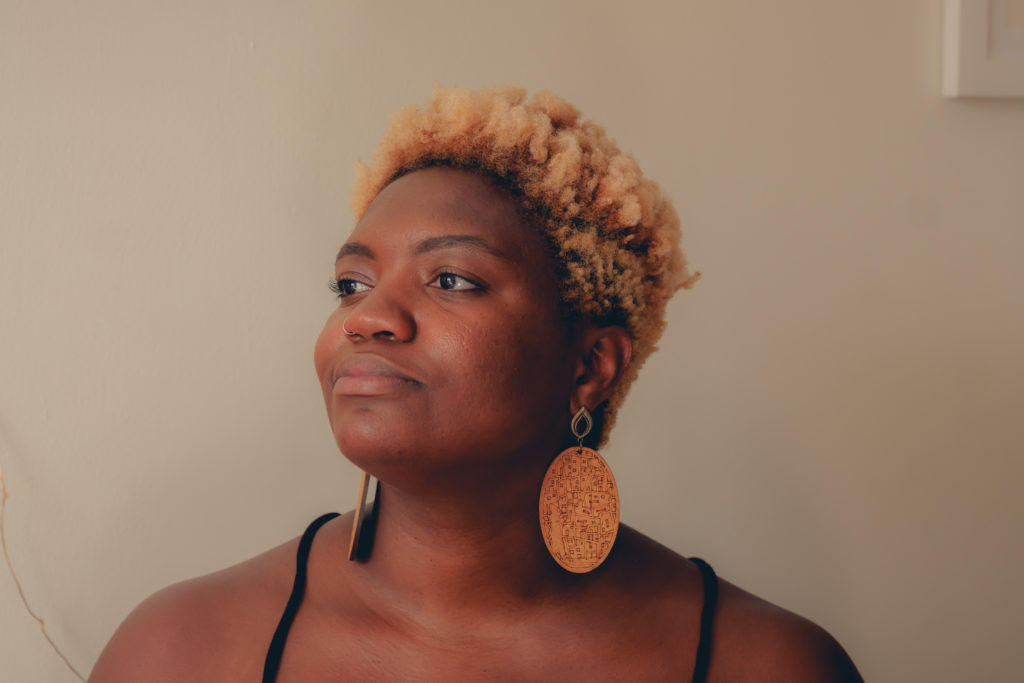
[346, 331]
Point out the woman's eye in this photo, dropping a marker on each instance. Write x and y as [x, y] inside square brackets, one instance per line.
[344, 287]
[453, 283]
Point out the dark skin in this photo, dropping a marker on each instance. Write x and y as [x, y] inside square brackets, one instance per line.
[455, 389]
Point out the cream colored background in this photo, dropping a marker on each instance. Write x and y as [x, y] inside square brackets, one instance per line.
[833, 421]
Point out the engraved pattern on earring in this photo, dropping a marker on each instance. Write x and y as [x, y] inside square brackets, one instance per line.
[579, 504]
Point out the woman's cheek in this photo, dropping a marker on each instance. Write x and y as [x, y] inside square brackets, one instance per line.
[325, 347]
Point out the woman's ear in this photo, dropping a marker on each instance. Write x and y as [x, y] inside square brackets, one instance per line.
[604, 355]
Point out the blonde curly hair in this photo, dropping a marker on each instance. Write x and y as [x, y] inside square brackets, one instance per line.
[613, 232]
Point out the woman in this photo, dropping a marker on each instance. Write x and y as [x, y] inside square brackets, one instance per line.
[506, 278]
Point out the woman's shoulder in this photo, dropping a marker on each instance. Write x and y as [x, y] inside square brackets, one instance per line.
[757, 640]
[200, 628]
[751, 638]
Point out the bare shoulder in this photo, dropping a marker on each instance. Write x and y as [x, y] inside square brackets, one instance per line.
[752, 639]
[199, 629]
[758, 641]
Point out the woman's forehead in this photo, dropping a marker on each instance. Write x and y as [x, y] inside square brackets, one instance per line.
[434, 202]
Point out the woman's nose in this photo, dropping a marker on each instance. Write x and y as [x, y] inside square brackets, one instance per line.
[380, 315]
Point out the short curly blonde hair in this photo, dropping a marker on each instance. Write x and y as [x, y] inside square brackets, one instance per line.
[615, 235]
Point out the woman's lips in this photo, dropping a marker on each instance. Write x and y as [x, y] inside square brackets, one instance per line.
[367, 375]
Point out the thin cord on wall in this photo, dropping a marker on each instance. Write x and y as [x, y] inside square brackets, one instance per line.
[17, 583]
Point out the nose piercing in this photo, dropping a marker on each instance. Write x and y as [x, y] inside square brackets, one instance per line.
[345, 330]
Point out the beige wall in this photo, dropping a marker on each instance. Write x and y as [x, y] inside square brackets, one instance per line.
[833, 421]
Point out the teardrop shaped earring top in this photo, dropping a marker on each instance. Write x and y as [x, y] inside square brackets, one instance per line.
[583, 417]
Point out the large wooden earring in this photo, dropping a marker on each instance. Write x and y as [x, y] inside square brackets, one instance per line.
[364, 525]
[579, 504]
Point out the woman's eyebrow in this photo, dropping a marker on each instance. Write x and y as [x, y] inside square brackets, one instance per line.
[446, 241]
[354, 249]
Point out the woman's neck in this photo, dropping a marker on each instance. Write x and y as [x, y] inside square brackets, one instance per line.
[445, 556]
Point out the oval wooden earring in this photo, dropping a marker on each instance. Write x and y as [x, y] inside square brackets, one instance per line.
[357, 519]
[363, 524]
[579, 504]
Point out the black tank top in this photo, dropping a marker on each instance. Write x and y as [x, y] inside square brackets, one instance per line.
[273, 661]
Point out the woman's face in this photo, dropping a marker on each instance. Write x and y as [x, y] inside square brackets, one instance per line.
[458, 357]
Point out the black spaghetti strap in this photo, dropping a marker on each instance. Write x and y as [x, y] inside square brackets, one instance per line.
[707, 618]
[273, 661]
[276, 650]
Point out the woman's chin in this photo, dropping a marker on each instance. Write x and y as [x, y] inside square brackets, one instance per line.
[374, 448]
